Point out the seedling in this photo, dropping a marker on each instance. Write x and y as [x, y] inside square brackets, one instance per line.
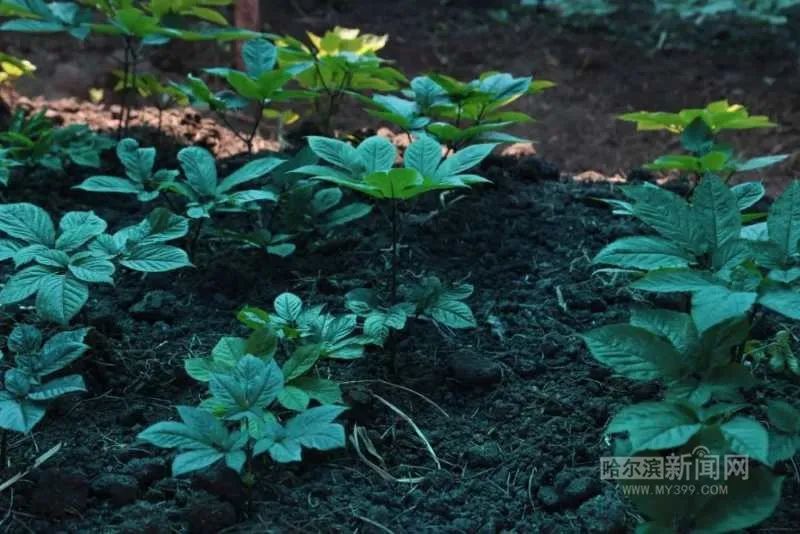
[343, 61]
[235, 425]
[456, 113]
[698, 130]
[140, 179]
[57, 266]
[35, 141]
[26, 391]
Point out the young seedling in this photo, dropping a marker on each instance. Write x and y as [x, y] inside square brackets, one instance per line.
[456, 113]
[140, 178]
[698, 130]
[234, 424]
[57, 266]
[341, 62]
[35, 141]
[26, 390]
[207, 195]
[12, 67]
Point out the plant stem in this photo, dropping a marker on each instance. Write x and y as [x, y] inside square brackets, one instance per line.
[254, 131]
[198, 228]
[125, 73]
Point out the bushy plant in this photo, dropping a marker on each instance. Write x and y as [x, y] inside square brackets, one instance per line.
[458, 113]
[58, 265]
[766, 11]
[703, 352]
[241, 433]
[27, 390]
[34, 140]
[698, 130]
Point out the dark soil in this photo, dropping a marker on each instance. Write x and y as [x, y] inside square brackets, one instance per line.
[514, 409]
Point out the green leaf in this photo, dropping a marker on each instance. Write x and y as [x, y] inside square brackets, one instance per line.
[377, 154]
[259, 56]
[748, 194]
[248, 172]
[109, 184]
[77, 228]
[248, 389]
[312, 428]
[58, 387]
[783, 301]
[697, 137]
[24, 339]
[23, 284]
[645, 253]
[655, 426]
[784, 220]
[89, 268]
[302, 359]
[716, 211]
[464, 159]
[423, 155]
[678, 327]
[288, 307]
[747, 437]
[200, 169]
[338, 153]
[676, 281]
[155, 258]
[20, 415]
[452, 313]
[27, 222]
[784, 416]
[60, 297]
[633, 352]
[320, 389]
[195, 460]
[293, 398]
[714, 305]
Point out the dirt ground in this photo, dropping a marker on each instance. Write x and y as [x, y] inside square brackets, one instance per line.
[519, 404]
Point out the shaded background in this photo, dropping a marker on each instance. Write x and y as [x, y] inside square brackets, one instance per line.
[604, 66]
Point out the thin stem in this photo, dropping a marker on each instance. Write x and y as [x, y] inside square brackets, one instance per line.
[255, 127]
[198, 228]
[134, 63]
[235, 132]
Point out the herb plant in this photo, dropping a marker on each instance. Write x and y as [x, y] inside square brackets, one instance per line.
[58, 265]
[235, 424]
[458, 113]
[342, 61]
[698, 130]
[35, 141]
[140, 179]
[26, 389]
[707, 249]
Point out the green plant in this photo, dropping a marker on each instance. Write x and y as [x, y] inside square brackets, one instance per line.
[575, 8]
[703, 249]
[7, 162]
[240, 427]
[342, 61]
[139, 179]
[459, 113]
[698, 129]
[58, 265]
[26, 390]
[262, 83]
[149, 86]
[35, 141]
[706, 249]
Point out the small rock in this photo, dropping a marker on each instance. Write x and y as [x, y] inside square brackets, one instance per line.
[146, 471]
[157, 305]
[118, 488]
[209, 516]
[221, 482]
[58, 492]
[602, 514]
[548, 497]
[484, 455]
[475, 370]
[534, 168]
[575, 486]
